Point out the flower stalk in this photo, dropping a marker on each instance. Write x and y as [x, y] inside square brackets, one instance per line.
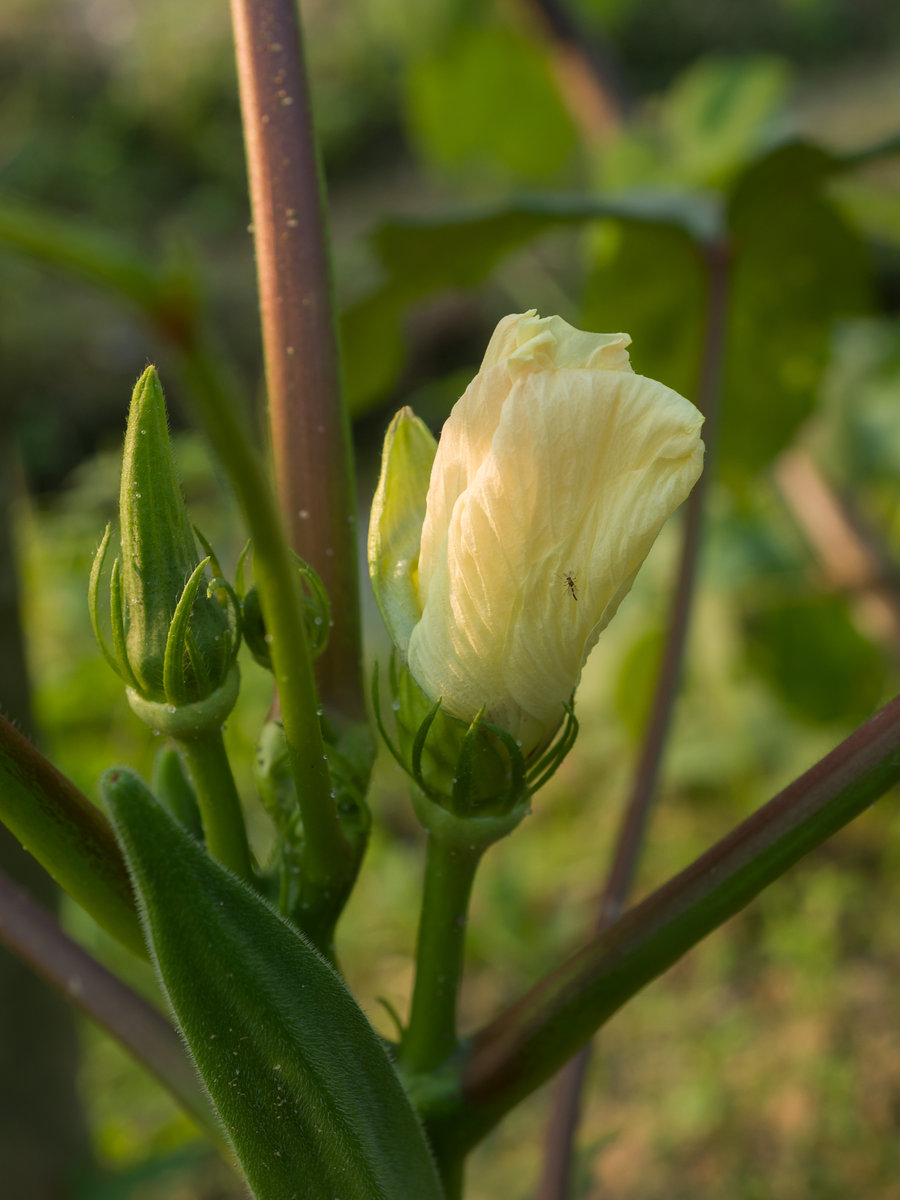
[431, 1037]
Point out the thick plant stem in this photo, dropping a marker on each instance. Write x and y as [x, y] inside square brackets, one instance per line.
[311, 443]
[431, 1036]
[219, 802]
[523, 1046]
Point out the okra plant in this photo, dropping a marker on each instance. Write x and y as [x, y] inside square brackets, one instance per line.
[498, 555]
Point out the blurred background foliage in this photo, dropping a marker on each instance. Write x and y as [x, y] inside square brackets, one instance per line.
[484, 158]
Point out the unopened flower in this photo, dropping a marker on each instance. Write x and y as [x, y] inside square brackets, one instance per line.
[499, 555]
[174, 633]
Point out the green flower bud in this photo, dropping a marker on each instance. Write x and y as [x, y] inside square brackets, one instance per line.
[175, 632]
[313, 598]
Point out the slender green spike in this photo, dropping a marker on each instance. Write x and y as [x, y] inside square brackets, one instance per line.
[419, 745]
[376, 708]
[94, 600]
[516, 761]
[117, 618]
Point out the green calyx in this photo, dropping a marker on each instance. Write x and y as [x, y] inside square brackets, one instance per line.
[473, 784]
[188, 722]
[175, 628]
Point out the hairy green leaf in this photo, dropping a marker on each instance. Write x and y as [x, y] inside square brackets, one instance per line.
[304, 1088]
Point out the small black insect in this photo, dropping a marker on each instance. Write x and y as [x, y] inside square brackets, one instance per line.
[569, 580]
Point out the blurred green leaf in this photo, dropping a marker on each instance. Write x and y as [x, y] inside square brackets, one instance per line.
[305, 1090]
[816, 660]
[429, 254]
[798, 267]
[489, 103]
[637, 680]
[373, 348]
[717, 112]
[650, 280]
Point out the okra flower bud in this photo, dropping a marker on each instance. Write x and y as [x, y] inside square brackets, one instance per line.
[175, 633]
[500, 554]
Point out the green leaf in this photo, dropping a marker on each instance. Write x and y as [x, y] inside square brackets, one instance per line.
[798, 267]
[718, 111]
[489, 103]
[650, 280]
[637, 681]
[304, 1088]
[424, 255]
[816, 659]
[461, 249]
[69, 836]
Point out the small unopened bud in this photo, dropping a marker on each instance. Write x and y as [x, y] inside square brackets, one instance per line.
[175, 632]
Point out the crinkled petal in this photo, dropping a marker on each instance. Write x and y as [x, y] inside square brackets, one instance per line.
[584, 468]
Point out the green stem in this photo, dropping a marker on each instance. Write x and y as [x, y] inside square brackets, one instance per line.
[523, 1046]
[219, 802]
[431, 1036]
[327, 859]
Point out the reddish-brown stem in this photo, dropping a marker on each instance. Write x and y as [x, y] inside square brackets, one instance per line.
[309, 427]
[566, 1104]
[522, 1047]
[37, 939]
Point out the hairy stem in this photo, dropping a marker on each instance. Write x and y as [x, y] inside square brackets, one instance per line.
[219, 802]
[431, 1037]
[328, 862]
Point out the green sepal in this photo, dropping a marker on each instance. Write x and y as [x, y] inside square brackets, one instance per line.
[464, 767]
[395, 526]
[306, 1093]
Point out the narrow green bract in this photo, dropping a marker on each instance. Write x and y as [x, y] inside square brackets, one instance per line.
[306, 1093]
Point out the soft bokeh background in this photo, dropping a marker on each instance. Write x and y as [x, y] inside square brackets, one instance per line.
[767, 1064]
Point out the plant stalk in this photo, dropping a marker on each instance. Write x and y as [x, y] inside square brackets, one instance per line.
[328, 862]
[220, 805]
[310, 429]
[522, 1047]
[431, 1037]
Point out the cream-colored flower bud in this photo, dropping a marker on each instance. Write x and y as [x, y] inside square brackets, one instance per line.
[553, 476]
